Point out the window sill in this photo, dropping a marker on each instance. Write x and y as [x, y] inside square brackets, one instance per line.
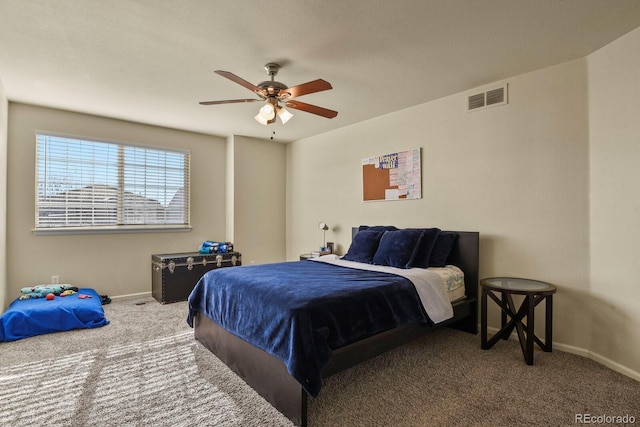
[111, 230]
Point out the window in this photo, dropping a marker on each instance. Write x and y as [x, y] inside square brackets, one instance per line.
[85, 185]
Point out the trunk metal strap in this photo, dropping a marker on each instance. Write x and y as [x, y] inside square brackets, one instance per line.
[190, 262]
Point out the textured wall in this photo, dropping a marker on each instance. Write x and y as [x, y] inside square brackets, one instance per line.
[517, 173]
[614, 131]
[258, 199]
[4, 106]
[114, 264]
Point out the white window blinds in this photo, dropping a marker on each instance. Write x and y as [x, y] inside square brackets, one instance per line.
[85, 184]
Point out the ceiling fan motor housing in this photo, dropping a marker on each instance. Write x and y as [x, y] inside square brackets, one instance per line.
[272, 88]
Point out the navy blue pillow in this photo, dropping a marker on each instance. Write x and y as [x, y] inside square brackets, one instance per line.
[397, 248]
[378, 228]
[424, 249]
[442, 248]
[364, 246]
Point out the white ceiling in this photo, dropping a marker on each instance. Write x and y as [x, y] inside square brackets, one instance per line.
[152, 61]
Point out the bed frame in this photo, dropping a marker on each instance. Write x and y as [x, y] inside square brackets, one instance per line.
[269, 376]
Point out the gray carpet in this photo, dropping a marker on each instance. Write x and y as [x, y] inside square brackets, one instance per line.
[145, 369]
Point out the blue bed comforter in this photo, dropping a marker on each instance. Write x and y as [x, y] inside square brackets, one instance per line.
[300, 311]
[37, 316]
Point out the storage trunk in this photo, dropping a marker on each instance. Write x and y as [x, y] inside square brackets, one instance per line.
[173, 276]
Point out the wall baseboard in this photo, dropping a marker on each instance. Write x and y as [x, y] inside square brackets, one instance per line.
[578, 351]
[615, 366]
[140, 294]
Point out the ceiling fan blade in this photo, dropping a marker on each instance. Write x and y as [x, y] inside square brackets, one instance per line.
[241, 81]
[313, 109]
[228, 101]
[306, 88]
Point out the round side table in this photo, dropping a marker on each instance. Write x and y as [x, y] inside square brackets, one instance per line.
[519, 318]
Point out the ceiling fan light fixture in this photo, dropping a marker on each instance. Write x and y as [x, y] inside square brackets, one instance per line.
[267, 111]
[261, 120]
[284, 115]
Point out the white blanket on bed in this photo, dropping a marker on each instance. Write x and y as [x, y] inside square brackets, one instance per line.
[430, 285]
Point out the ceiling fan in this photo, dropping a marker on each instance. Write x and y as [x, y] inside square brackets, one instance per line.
[273, 93]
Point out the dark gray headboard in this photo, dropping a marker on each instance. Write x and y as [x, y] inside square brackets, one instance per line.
[465, 255]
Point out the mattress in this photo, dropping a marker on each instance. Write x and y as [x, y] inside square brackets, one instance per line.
[37, 316]
[453, 280]
[449, 278]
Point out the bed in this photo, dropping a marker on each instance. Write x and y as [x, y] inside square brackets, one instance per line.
[37, 316]
[284, 357]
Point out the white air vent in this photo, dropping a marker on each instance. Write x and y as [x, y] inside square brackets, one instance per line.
[490, 98]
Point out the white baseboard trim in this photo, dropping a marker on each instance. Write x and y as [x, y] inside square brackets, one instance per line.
[605, 361]
[615, 366]
[140, 294]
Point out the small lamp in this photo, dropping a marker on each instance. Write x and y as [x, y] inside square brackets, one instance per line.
[324, 227]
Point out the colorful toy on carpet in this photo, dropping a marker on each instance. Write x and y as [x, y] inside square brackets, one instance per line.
[41, 291]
